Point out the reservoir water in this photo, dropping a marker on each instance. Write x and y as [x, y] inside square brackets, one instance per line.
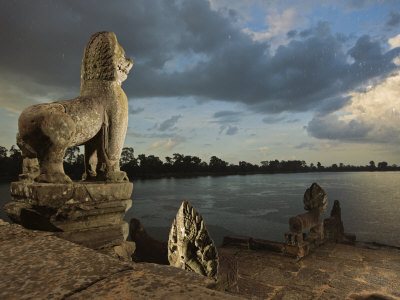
[261, 205]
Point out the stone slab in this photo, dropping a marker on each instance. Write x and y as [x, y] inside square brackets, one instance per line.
[98, 237]
[237, 241]
[34, 265]
[332, 271]
[56, 194]
[151, 281]
[38, 265]
[82, 210]
[259, 244]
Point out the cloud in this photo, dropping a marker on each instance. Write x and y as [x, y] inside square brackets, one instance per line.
[169, 123]
[394, 42]
[135, 111]
[372, 116]
[227, 116]
[273, 119]
[213, 59]
[165, 145]
[293, 121]
[291, 33]
[263, 150]
[157, 145]
[278, 25]
[394, 19]
[228, 129]
[309, 146]
[232, 130]
[163, 136]
[333, 128]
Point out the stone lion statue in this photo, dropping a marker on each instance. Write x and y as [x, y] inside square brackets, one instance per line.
[97, 118]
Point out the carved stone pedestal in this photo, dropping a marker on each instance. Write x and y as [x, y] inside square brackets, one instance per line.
[87, 213]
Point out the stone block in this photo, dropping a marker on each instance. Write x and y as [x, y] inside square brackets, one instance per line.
[237, 241]
[293, 238]
[258, 244]
[298, 251]
[14, 208]
[98, 237]
[304, 221]
[82, 210]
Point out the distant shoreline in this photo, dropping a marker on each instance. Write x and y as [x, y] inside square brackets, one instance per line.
[221, 174]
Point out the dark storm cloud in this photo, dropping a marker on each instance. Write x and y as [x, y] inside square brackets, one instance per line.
[44, 40]
[291, 33]
[226, 116]
[329, 105]
[394, 19]
[169, 123]
[273, 119]
[330, 127]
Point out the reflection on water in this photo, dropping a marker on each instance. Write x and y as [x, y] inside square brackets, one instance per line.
[261, 205]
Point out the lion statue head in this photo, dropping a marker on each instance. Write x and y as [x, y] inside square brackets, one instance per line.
[104, 59]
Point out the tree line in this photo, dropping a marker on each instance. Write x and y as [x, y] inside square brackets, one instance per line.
[180, 165]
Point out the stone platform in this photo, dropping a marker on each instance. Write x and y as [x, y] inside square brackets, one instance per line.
[88, 213]
[364, 271]
[39, 265]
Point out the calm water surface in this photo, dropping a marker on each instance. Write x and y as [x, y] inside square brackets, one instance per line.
[261, 205]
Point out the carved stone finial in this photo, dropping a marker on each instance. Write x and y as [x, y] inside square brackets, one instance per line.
[333, 226]
[190, 246]
[97, 118]
[315, 197]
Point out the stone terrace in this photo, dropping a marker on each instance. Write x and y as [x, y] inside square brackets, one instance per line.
[332, 271]
[38, 265]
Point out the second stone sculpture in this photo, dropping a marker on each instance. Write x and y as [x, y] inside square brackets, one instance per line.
[190, 246]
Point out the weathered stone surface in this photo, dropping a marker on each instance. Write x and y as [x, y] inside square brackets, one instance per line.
[88, 213]
[332, 271]
[54, 195]
[150, 281]
[97, 118]
[304, 222]
[190, 245]
[38, 265]
[315, 197]
[148, 249]
[259, 244]
[293, 238]
[228, 273]
[298, 251]
[98, 237]
[237, 241]
[333, 226]
[122, 252]
[125, 250]
[41, 266]
[297, 241]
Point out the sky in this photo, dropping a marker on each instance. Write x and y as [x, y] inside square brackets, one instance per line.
[243, 80]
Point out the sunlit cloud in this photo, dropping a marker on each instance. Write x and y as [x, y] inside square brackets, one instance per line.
[263, 150]
[165, 145]
[278, 25]
[372, 116]
[394, 41]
